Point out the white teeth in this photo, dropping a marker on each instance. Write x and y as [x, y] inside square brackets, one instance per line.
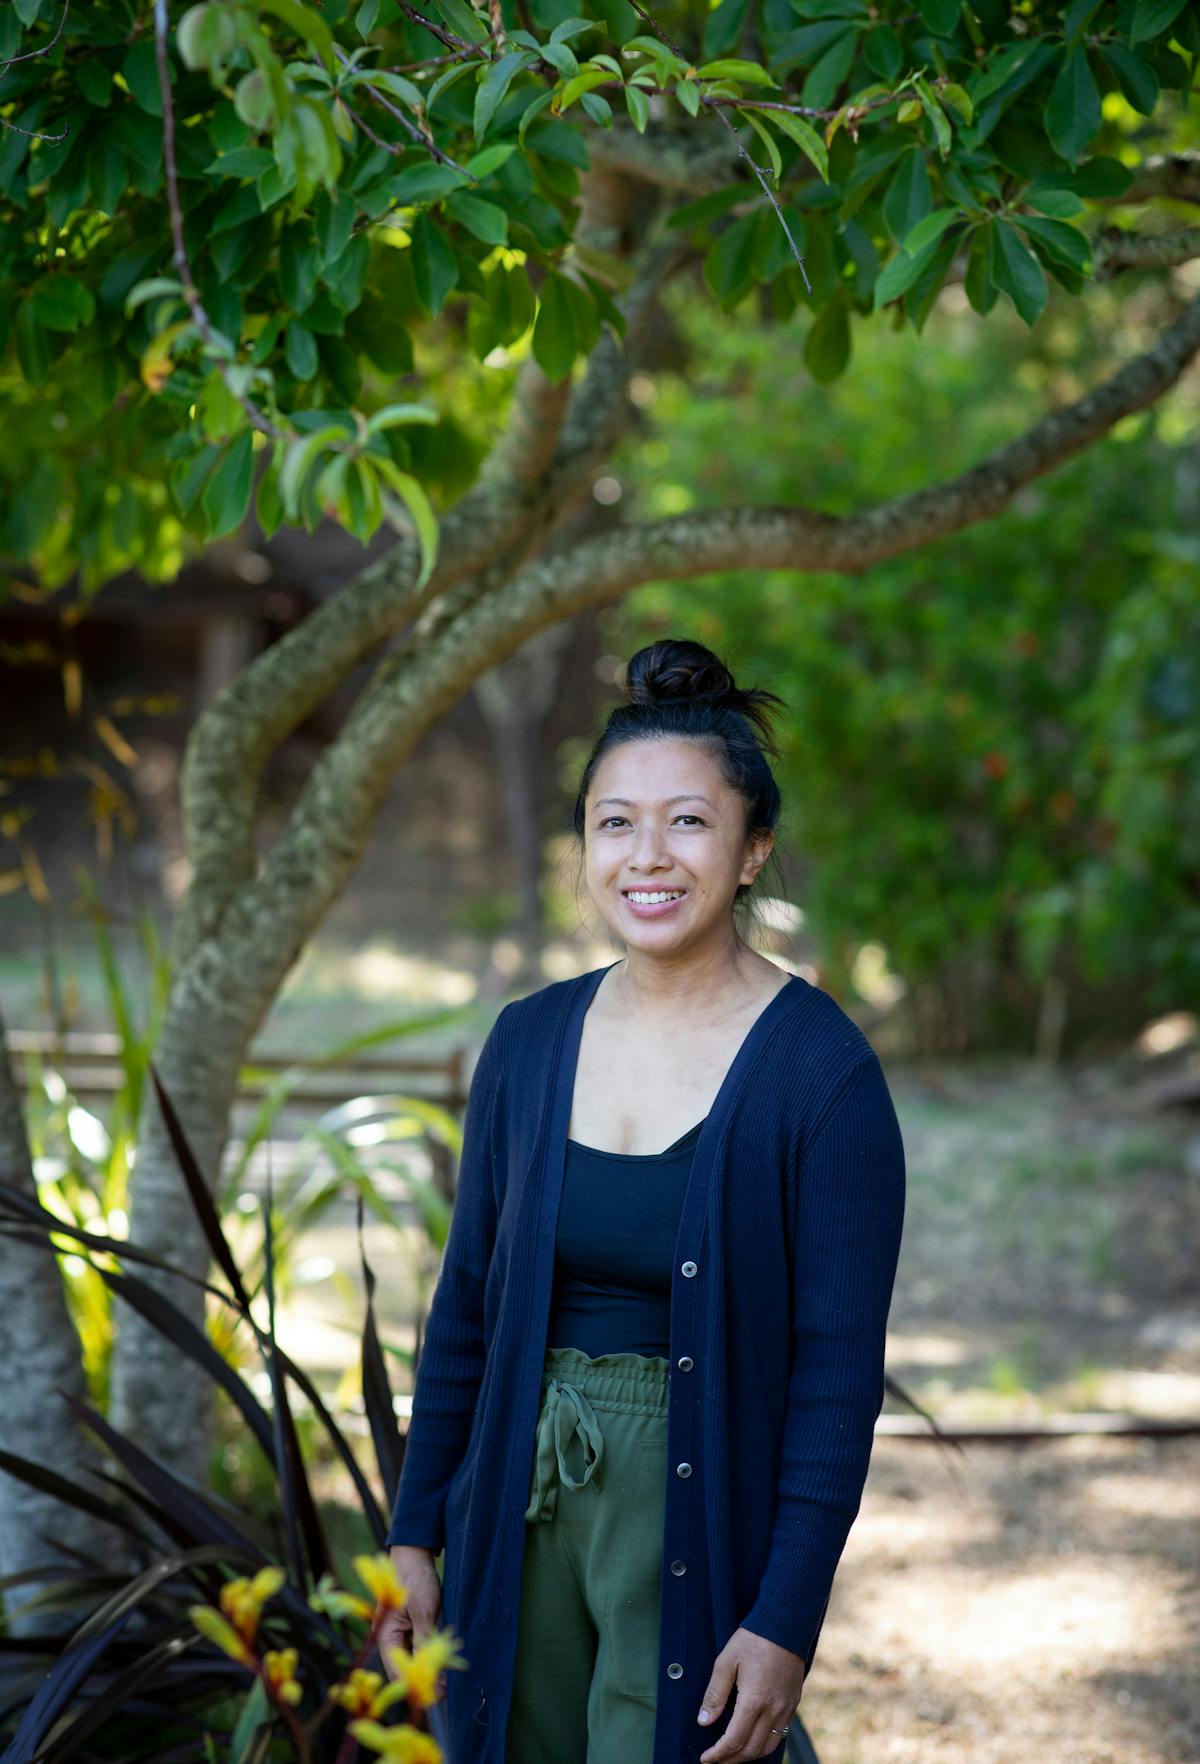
[644, 899]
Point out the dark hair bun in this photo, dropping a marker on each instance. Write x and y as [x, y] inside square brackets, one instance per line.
[680, 668]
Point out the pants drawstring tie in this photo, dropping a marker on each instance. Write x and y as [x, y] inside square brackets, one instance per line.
[566, 1414]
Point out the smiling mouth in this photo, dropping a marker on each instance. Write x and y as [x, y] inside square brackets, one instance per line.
[653, 896]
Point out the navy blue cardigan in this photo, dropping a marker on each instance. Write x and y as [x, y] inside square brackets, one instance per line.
[792, 1219]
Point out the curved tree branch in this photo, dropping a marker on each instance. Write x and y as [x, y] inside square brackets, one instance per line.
[1114, 250]
[1174, 175]
[554, 438]
[430, 670]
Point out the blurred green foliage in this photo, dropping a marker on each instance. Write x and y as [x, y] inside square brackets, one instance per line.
[993, 748]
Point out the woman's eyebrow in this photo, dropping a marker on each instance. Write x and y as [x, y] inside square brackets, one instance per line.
[624, 802]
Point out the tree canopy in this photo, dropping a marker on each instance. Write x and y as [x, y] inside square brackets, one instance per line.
[247, 244]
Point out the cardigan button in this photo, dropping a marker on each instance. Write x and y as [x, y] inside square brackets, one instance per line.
[688, 1269]
[678, 1567]
[686, 1363]
[674, 1670]
[683, 1469]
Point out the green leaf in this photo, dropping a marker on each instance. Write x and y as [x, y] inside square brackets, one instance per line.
[768, 141]
[977, 283]
[394, 85]
[909, 198]
[688, 94]
[428, 182]
[901, 271]
[941, 16]
[1053, 199]
[486, 220]
[63, 303]
[1152, 17]
[936, 115]
[533, 110]
[394, 414]
[301, 351]
[929, 229]
[226, 498]
[821, 85]
[366, 18]
[189, 477]
[463, 20]
[919, 299]
[32, 353]
[806, 138]
[554, 335]
[827, 346]
[435, 268]
[1099, 177]
[882, 52]
[417, 503]
[1016, 272]
[724, 26]
[571, 27]
[1136, 78]
[729, 264]
[561, 59]
[444, 81]
[334, 217]
[1066, 245]
[583, 82]
[638, 106]
[255, 1712]
[959, 100]
[243, 162]
[299, 458]
[491, 89]
[95, 81]
[306, 23]
[140, 68]
[747, 73]
[1073, 108]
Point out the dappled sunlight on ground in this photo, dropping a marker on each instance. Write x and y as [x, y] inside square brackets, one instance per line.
[1013, 1611]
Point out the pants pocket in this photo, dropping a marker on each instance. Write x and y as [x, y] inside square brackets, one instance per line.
[636, 1567]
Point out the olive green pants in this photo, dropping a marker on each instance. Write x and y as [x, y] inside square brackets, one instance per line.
[586, 1679]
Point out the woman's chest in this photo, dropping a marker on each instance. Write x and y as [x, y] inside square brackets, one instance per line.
[637, 1093]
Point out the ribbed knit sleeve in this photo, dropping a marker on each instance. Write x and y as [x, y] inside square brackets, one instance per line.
[849, 1216]
[452, 1357]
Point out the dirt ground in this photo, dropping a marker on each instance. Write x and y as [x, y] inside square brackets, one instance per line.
[1033, 1603]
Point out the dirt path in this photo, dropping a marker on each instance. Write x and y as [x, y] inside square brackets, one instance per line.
[1032, 1605]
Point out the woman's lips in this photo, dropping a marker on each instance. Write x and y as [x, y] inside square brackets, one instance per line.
[656, 909]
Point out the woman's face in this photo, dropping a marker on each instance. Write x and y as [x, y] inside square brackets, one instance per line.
[661, 820]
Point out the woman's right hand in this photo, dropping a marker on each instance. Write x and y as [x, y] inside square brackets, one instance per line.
[412, 1624]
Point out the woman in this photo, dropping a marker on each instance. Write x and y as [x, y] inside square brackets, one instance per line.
[644, 1411]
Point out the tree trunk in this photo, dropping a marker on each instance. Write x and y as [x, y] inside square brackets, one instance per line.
[515, 697]
[39, 1357]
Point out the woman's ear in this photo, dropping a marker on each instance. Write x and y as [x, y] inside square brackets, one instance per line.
[761, 847]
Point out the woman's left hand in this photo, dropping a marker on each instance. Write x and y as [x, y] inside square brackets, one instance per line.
[769, 1680]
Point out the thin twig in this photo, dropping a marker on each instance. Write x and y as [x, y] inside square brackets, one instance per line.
[717, 111]
[422, 136]
[31, 55]
[435, 29]
[475, 49]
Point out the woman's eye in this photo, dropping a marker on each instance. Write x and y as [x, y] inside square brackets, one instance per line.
[609, 820]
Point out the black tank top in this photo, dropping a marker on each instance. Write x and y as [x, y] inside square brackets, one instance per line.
[615, 1247]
